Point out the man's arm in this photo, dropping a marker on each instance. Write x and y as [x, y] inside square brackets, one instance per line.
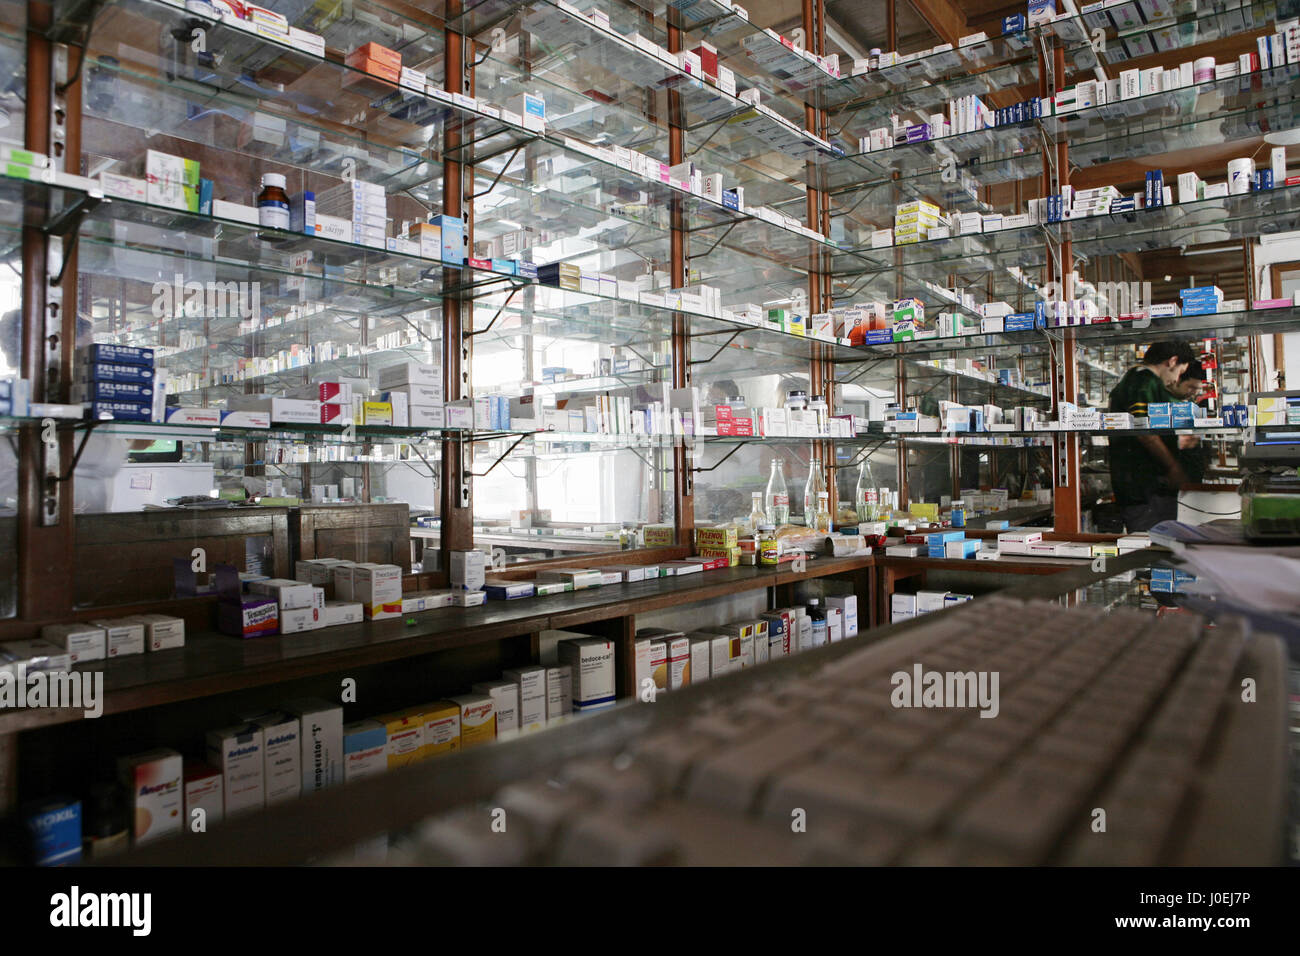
[1160, 452]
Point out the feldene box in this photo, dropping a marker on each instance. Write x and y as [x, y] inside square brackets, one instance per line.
[591, 660]
[405, 743]
[364, 750]
[478, 722]
[203, 791]
[532, 695]
[237, 753]
[701, 646]
[321, 739]
[441, 728]
[505, 701]
[154, 781]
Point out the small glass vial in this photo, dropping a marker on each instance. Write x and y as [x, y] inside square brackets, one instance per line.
[796, 401]
[273, 202]
[959, 514]
[769, 549]
[757, 516]
[823, 517]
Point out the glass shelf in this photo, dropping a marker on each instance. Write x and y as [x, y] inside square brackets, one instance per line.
[302, 84]
[1218, 326]
[1245, 105]
[1190, 25]
[1177, 225]
[318, 434]
[223, 89]
[969, 388]
[1185, 224]
[540, 445]
[213, 111]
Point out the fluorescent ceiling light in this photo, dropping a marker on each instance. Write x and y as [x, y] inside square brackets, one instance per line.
[1283, 137]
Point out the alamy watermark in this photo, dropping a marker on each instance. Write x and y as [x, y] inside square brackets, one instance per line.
[921, 688]
[1113, 299]
[212, 299]
[73, 690]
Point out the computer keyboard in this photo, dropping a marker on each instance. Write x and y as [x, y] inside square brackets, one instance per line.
[1119, 738]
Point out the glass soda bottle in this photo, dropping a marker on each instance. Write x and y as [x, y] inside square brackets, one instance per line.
[810, 492]
[777, 497]
[864, 496]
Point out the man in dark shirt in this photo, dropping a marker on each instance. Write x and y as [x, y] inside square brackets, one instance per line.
[1193, 454]
[1145, 472]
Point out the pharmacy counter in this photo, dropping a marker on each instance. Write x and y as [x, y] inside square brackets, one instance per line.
[212, 664]
[332, 822]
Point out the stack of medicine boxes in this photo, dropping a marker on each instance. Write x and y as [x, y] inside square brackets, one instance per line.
[414, 389]
[364, 205]
[914, 220]
[951, 544]
[117, 381]
[1201, 300]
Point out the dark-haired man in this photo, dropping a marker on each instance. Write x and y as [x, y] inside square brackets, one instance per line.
[1144, 470]
[1193, 454]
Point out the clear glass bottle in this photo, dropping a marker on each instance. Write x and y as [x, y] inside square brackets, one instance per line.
[823, 512]
[814, 486]
[865, 499]
[757, 516]
[776, 500]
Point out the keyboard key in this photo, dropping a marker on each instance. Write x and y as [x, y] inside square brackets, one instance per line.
[538, 809]
[614, 839]
[628, 788]
[731, 779]
[466, 838]
[669, 754]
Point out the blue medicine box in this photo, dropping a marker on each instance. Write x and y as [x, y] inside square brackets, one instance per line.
[118, 372]
[453, 239]
[122, 411]
[940, 538]
[55, 828]
[119, 354]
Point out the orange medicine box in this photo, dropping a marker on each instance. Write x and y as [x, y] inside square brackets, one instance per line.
[380, 54]
[478, 719]
[405, 737]
[441, 728]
